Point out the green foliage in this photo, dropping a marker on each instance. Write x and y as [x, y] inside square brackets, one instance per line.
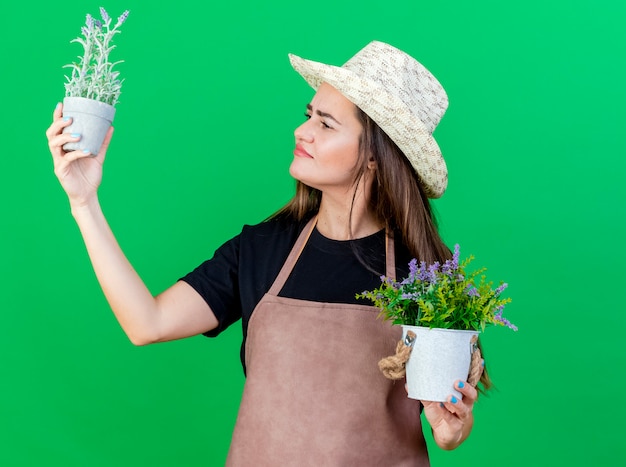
[441, 296]
[93, 76]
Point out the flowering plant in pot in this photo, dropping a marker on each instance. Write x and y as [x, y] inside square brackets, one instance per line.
[94, 87]
[442, 309]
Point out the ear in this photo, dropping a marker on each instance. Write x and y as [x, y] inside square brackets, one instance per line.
[371, 164]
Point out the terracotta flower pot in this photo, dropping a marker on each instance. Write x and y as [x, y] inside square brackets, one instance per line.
[91, 119]
[438, 359]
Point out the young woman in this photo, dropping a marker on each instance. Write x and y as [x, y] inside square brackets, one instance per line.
[365, 163]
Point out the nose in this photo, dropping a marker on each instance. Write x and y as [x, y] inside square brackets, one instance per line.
[303, 132]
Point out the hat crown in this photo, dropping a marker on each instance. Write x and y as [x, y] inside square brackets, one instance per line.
[399, 73]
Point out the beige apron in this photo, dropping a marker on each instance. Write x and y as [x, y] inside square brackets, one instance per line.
[314, 395]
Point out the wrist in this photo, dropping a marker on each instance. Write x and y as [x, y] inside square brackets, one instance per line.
[84, 207]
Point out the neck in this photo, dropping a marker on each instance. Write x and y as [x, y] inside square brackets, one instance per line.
[335, 220]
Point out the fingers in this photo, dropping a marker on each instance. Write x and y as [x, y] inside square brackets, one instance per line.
[461, 407]
[456, 407]
[56, 142]
[62, 162]
[63, 159]
[58, 122]
[55, 135]
[430, 405]
[57, 127]
[58, 111]
[470, 394]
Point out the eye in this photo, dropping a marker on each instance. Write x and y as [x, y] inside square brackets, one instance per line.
[322, 122]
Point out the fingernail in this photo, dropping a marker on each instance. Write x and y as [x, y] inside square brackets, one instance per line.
[66, 119]
[75, 135]
[461, 385]
[86, 151]
[482, 362]
[453, 400]
[57, 106]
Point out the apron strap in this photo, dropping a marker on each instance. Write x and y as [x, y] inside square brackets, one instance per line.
[390, 254]
[293, 257]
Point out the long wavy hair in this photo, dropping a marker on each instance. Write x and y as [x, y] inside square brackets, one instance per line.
[396, 199]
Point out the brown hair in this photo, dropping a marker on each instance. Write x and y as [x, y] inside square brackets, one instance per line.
[397, 199]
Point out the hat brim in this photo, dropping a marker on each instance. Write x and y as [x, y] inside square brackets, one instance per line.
[389, 113]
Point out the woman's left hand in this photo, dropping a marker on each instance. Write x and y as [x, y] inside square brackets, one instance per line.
[452, 421]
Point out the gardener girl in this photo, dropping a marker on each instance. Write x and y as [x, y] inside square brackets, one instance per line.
[365, 163]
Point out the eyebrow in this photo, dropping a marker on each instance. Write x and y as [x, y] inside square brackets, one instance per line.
[322, 114]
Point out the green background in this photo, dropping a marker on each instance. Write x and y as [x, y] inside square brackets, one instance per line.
[204, 135]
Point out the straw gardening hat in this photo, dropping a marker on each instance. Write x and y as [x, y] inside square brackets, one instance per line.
[400, 95]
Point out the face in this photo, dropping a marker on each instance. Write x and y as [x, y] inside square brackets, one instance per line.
[327, 143]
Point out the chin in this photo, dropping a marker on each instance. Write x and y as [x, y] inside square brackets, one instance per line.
[296, 172]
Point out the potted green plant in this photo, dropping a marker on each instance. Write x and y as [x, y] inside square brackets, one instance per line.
[93, 89]
[445, 309]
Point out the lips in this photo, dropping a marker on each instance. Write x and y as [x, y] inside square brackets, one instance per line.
[300, 152]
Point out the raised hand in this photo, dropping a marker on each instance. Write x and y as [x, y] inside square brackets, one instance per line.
[78, 172]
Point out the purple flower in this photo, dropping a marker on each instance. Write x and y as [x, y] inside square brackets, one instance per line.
[104, 14]
[98, 23]
[122, 18]
[432, 272]
[455, 256]
[422, 274]
[499, 290]
[410, 296]
[389, 281]
[448, 268]
[441, 286]
[502, 320]
[413, 269]
[89, 22]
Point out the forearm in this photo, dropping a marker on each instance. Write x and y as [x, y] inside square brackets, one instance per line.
[133, 304]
